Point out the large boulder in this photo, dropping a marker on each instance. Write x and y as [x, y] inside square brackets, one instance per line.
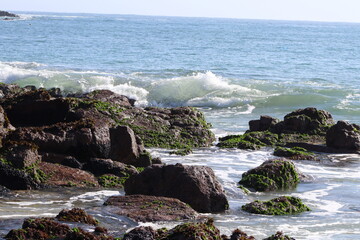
[276, 174]
[143, 208]
[308, 120]
[344, 135]
[195, 185]
[76, 215]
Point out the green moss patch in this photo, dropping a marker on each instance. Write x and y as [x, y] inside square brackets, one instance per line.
[295, 153]
[272, 175]
[112, 181]
[284, 205]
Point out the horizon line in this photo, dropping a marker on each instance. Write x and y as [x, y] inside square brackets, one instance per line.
[180, 16]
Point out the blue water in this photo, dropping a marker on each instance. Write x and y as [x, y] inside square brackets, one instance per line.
[234, 70]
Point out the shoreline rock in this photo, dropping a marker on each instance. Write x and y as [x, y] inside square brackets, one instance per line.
[71, 131]
[194, 185]
[8, 14]
[283, 205]
[271, 175]
[143, 208]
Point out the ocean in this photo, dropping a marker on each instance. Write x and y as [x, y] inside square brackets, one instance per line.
[233, 70]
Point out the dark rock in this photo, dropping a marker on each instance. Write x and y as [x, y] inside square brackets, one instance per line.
[21, 154]
[58, 175]
[308, 120]
[4, 190]
[277, 174]
[110, 97]
[195, 185]
[141, 233]
[124, 147]
[71, 162]
[5, 125]
[186, 231]
[278, 206]
[99, 167]
[38, 229]
[142, 208]
[237, 234]
[193, 231]
[279, 236]
[344, 135]
[7, 14]
[16, 179]
[76, 215]
[265, 123]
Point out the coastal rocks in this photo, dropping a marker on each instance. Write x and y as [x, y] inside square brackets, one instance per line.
[16, 179]
[39, 229]
[279, 236]
[109, 97]
[308, 120]
[195, 185]
[21, 155]
[142, 208]
[76, 215]
[294, 153]
[48, 228]
[7, 14]
[263, 124]
[304, 128]
[277, 174]
[344, 135]
[58, 175]
[187, 231]
[278, 206]
[237, 234]
[5, 125]
[100, 166]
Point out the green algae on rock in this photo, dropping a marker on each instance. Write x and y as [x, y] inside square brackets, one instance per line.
[294, 153]
[276, 174]
[283, 205]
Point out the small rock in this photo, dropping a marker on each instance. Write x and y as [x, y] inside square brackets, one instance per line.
[76, 215]
[278, 206]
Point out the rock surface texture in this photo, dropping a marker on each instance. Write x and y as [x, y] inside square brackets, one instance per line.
[142, 208]
[194, 185]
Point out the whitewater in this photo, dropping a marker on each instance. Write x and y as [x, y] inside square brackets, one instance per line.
[233, 70]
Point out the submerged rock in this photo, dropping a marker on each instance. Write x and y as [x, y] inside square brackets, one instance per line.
[277, 174]
[278, 206]
[344, 135]
[195, 185]
[142, 208]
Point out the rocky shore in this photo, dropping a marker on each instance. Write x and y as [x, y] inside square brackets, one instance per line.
[98, 139]
[7, 15]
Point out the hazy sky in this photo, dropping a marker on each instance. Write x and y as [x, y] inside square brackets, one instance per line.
[316, 10]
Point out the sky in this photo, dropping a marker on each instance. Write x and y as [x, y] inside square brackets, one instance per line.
[309, 10]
